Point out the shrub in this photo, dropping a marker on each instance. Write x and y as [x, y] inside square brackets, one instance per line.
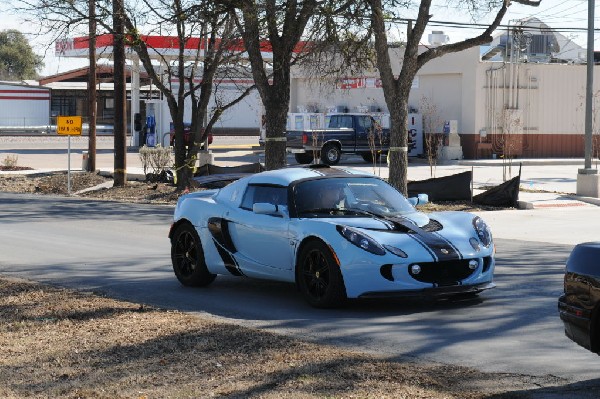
[156, 158]
[10, 161]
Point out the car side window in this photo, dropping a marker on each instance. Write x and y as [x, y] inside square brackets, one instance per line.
[264, 194]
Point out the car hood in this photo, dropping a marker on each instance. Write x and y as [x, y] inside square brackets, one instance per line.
[454, 227]
[378, 223]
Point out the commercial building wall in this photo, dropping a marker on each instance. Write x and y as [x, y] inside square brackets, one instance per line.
[24, 106]
[525, 110]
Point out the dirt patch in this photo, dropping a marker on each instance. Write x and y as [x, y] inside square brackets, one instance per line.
[57, 183]
[143, 192]
[13, 168]
[61, 343]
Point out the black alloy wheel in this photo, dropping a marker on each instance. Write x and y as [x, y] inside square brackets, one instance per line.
[187, 257]
[319, 277]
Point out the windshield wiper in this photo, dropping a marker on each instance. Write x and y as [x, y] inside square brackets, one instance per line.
[364, 212]
[354, 211]
[333, 211]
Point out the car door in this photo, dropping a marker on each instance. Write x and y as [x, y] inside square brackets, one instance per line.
[342, 131]
[364, 126]
[262, 241]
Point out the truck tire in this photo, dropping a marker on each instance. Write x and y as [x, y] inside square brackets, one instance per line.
[331, 154]
[304, 158]
[368, 156]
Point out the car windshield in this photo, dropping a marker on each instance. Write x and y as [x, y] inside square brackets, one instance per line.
[352, 195]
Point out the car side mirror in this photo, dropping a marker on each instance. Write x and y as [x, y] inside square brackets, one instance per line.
[420, 199]
[265, 208]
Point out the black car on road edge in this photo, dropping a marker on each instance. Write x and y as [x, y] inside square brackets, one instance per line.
[579, 305]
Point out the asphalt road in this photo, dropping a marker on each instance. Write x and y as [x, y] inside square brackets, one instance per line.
[122, 250]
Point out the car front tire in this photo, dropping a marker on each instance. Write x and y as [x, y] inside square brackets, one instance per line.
[187, 257]
[319, 277]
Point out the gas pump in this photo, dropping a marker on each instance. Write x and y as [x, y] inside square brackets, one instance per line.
[150, 131]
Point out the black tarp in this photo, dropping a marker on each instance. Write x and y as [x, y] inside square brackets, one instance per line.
[216, 176]
[209, 169]
[450, 188]
[505, 195]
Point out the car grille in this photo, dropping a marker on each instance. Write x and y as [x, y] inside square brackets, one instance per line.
[442, 273]
[432, 226]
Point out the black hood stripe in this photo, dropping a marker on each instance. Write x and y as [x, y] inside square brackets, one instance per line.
[425, 247]
[448, 243]
[441, 248]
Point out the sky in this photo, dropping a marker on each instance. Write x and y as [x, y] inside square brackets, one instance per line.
[562, 15]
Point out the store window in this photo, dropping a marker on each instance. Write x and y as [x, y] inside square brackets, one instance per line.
[63, 106]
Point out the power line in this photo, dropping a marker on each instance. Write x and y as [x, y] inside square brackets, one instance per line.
[473, 25]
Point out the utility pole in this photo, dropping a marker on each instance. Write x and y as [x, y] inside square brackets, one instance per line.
[120, 118]
[91, 165]
[589, 88]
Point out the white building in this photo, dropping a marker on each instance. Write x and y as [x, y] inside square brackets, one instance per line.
[525, 100]
[22, 105]
[522, 95]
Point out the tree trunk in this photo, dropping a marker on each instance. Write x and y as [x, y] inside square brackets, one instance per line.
[398, 154]
[120, 119]
[276, 110]
[91, 165]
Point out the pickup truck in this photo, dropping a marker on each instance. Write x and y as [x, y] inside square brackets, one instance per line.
[346, 133]
[186, 138]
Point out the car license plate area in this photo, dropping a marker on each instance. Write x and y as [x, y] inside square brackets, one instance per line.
[441, 274]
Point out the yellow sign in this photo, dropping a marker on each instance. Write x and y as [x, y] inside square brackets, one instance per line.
[68, 125]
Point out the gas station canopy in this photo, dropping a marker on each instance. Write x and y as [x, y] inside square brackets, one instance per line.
[159, 47]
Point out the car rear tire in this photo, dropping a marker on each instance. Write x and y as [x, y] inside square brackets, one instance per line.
[187, 257]
[304, 158]
[319, 277]
[331, 154]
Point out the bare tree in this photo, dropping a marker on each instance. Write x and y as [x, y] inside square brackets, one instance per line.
[282, 24]
[432, 121]
[206, 46]
[397, 88]
[195, 77]
[510, 139]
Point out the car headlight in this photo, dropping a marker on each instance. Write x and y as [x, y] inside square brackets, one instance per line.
[483, 231]
[361, 240]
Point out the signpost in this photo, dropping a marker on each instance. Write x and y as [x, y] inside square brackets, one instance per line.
[68, 126]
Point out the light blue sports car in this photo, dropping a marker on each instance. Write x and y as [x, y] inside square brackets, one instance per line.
[336, 233]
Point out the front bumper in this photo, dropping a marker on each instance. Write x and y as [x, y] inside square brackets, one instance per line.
[577, 322]
[293, 150]
[434, 292]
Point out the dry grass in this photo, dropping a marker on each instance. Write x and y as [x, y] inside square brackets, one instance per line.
[60, 343]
